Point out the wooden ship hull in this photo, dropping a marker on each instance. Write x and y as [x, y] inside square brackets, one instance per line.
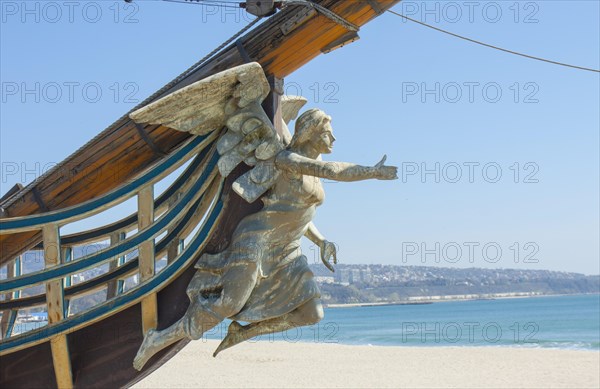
[96, 347]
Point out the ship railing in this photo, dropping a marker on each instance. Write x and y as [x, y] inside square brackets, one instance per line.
[187, 210]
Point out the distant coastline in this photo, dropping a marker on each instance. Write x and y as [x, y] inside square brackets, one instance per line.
[391, 284]
[350, 305]
[436, 299]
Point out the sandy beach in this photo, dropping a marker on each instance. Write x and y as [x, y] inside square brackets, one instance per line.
[317, 365]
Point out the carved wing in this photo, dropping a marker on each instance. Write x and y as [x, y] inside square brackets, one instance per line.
[290, 106]
[230, 101]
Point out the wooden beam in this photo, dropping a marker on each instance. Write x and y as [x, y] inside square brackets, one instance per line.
[66, 255]
[272, 104]
[111, 289]
[9, 316]
[55, 305]
[147, 263]
[173, 250]
[61, 361]
[173, 247]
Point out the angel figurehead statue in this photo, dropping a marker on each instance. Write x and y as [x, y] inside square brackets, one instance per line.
[261, 278]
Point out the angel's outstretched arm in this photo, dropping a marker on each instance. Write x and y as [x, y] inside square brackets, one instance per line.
[338, 171]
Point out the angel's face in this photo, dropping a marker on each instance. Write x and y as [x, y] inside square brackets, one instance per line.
[325, 139]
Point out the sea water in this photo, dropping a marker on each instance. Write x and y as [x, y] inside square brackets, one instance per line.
[552, 321]
[567, 322]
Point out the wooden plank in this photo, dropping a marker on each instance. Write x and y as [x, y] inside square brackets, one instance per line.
[55, 305]
[6, 315]
[147, 265]
[149, 313]
[11, 319]
[61, 361]
[54, 289]
[173, 247]
[173, 250]
[66, 255]
[145, 219]
[272, 103]
[111, 289]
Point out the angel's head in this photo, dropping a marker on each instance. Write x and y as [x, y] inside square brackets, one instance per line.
[314, 127]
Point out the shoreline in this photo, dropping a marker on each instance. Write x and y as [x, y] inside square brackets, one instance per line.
[525, 346]
[453, 298]
[283, 364]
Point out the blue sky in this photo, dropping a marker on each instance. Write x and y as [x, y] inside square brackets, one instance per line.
[511, 145]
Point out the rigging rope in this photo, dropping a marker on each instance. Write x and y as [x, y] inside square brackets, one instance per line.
[492, 46]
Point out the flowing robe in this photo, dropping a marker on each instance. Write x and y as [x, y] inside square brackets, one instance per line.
[270, 239]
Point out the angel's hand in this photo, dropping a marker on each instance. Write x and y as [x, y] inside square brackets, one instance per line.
[328, 250]
[383, 172]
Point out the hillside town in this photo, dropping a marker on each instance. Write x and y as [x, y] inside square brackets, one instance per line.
[391, 284]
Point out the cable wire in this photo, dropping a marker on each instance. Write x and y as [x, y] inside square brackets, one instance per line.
[494, 47]
[215, 3]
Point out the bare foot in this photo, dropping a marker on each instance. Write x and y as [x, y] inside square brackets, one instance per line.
[146, 350]
[235, 335]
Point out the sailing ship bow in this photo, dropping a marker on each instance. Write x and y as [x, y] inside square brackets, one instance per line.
[196, 214]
